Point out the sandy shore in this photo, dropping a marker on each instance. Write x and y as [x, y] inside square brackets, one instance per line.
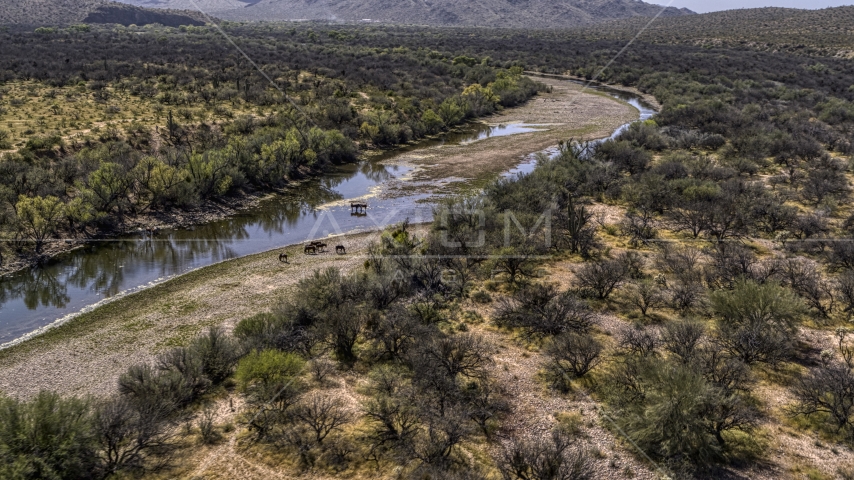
[565, 113]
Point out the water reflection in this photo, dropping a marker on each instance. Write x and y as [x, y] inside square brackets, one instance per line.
[43, 288]
[103, 269]
[500, 131]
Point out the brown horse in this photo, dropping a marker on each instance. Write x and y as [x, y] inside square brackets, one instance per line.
[311, 249]
[340, 250]
[283, 257]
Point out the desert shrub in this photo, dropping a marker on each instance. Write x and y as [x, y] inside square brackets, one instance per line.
[644, 134]
[481, 296]
[542, 310]
[164, 391]
[571, 355]
[624, 155]
[217, 352]
[639, 225]
[600, 278]
[436, 443]
[757, 322]
[187, 364]
[449, 357]
[827, 390]
[206, 426]
[638, 341]
[555, 457]
[804, 278]
[646, 295]
[392, 413]
[321, 415]
[277, 331]
[132, 436]
[270, 379]
[683, 338]
[485, 402]
[674, 413]
[47, 437]
[267, 367]
[845, 291]
[5, 142]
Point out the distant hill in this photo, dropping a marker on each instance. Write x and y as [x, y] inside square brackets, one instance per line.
[68, 12]
[828, 31]
[491, 13]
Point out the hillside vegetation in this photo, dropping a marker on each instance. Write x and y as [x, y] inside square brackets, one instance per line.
[491, 13]
[675, 302]
[826, 32]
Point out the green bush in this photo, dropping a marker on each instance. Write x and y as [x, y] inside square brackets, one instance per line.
[5, 142]
[218, 354]
[46, 437]
[757, 322]
[270, 380]
[268, 367]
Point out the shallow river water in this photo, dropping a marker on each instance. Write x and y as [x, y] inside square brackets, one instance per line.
[38, 298]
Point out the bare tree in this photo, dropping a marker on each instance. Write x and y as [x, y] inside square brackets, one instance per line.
[829, 390]
[846, 349]
[130, 435]
[394, 334]
[439, 436]
[686, 293]
[845, 291]
[601, 278]
[803, 277]
[646, 295]
[484, 401]
[683, 338]
[729, 261]
[321, 414]
[579, 233]
[571, 355]
[555, 457]
[464, 354]
[342, 326]
[639, 225]
[542, 310]
[640, 342]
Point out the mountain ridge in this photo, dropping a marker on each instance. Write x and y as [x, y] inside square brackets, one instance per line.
[49, 13]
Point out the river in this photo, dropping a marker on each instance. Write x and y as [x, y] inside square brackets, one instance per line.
[35, 299]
